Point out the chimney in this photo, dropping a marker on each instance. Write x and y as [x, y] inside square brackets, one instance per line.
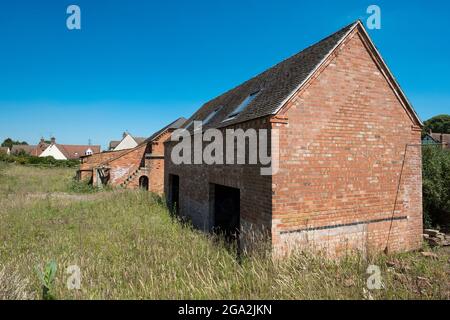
[42, 141]
[124, 135]
[53, 140]
[431, 132]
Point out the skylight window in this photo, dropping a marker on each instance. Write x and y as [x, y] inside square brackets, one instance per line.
[211, 115]
[205, 121]
[243, 105]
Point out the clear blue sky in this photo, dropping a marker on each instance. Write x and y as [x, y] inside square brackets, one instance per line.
[137, 65]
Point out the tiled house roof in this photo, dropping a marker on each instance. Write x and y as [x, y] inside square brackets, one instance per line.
[28, 149]
[273, 86]
[76, 151]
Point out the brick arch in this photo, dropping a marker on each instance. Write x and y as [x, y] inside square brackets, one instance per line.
[144, 182]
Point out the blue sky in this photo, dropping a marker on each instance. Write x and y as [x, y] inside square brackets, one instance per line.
[136, 65]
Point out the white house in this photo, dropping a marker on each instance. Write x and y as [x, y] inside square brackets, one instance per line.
[68, 152]
[127, 142]
[53, 151]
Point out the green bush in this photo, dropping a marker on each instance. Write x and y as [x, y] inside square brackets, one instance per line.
[25, 159]
[81, 187]
[436, 186]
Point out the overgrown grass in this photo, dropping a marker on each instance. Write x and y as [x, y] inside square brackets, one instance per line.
[127, 246]
[82, 187]
[18, 179]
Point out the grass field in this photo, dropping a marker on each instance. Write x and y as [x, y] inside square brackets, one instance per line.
[127, 246]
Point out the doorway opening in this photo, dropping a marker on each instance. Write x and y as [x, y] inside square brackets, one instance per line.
[143, 183]
[174, 193]
[227, 212]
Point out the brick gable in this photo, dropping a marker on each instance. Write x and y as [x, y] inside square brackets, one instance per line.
[342, 154]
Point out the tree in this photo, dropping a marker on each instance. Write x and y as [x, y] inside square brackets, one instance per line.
[436, 186]
[8, 142]
[439, 124]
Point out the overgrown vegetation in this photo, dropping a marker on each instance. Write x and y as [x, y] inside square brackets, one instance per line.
[25, 159]
[127, 246]
[436, 186]
[82, 187]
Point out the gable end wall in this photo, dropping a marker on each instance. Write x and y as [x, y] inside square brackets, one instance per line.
[343, 165]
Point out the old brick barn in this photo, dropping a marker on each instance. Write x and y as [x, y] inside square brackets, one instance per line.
[138, 167]
[349, 158]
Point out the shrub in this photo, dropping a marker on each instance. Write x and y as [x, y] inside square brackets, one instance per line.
[47, 279]
[436, 186]
[81, 187]
[25, 159]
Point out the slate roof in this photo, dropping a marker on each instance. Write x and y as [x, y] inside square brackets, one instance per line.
[177, 124]
[275, 85]
[139, 140]
[113, 144]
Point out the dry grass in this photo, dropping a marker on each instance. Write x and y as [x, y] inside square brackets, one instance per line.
[128, 247]
[12, 286]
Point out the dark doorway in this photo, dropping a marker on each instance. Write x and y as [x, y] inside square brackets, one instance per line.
[143, 183]
[174, 193]
[227, 212]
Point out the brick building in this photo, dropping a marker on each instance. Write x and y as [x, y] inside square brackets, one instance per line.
[349, 173]
[437, 138]
[142, 166]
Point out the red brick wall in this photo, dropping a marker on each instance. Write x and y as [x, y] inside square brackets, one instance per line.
[85, 172]
[154, 166]
[196, 190]
[342, 153]
[125, 165]
[94, 160]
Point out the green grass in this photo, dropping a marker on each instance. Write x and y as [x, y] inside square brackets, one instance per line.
[128, 247]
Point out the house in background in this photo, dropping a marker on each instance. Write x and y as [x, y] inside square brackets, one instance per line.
[32, 150]
[141, 166]
[67, 151]
[127, 142]
[5, 150]
[437, 138]
[349, 175]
